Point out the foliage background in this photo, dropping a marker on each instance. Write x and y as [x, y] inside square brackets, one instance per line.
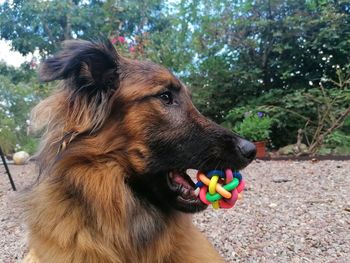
[237, 57]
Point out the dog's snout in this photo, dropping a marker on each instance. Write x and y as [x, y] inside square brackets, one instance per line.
[247, 149]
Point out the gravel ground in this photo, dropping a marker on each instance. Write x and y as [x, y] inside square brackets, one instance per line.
[291, 212]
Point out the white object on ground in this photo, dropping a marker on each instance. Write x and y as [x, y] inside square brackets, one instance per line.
[20, 157]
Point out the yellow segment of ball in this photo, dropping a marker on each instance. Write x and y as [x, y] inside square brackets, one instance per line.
[212, 186]
[216, 205]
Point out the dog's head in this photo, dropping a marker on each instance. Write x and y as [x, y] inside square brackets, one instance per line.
[140, 116]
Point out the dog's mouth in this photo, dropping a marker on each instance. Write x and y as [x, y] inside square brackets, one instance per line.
[181, 183]
[187, 199]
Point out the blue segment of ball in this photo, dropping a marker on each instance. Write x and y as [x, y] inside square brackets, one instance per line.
[238, 176]
[199, 184]
[216, 172]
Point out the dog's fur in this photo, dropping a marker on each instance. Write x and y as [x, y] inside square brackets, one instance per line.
[113, 131]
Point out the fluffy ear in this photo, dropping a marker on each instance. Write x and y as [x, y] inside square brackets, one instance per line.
[90, 74]
[89, 67]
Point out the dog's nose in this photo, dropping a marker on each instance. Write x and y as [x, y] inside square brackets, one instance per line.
[247, 149]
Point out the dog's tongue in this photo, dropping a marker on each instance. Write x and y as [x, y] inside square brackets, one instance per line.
[179, 179]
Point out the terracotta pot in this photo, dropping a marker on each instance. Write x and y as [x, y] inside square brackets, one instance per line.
[260, 149]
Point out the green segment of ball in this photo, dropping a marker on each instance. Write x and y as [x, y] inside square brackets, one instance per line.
[229, 187]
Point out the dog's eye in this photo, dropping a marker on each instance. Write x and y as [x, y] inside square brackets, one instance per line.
[166, 97]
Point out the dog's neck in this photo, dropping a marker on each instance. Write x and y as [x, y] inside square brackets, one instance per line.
[62, 201]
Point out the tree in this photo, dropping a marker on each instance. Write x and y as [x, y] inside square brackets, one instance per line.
[19, 92]
[233, 54]
[43, 25]
[243, 49]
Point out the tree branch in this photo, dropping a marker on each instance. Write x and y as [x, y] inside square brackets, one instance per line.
[335, 125]
[68, 26]
[49, 33]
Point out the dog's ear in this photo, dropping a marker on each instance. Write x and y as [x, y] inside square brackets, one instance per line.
[89, 67]
[90, 74]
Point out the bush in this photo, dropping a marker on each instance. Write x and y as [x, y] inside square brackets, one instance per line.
[254, 127]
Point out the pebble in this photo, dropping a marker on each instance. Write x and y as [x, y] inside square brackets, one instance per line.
[302, 217]
[292, 212]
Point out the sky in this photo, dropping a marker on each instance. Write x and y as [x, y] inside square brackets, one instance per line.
[12, 58]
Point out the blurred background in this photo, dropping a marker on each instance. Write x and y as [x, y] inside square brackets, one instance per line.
[274, 71]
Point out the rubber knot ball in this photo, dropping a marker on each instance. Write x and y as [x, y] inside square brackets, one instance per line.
[220, 188]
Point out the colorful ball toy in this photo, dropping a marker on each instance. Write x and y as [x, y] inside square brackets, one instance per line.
[220, 188]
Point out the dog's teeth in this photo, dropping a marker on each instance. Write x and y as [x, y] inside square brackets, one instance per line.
[196, 192]
[171, 175]
[187, 192]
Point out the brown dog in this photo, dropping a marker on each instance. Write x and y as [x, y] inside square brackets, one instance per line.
[119, 136]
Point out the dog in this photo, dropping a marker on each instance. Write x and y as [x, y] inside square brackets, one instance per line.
[117, 137]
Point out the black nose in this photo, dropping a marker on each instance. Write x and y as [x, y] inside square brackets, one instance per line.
[247, 149]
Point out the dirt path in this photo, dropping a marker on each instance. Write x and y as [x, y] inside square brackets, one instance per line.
[291, 212]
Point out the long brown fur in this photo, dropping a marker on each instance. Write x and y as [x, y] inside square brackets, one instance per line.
[95, 132]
